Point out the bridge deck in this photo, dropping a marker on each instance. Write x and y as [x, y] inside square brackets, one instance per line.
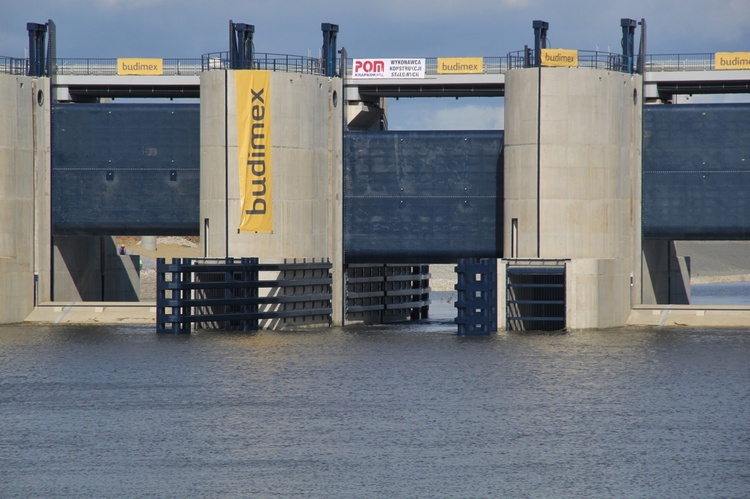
[82, 87]
[664, 76]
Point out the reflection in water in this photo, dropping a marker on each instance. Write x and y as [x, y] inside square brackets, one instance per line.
[373, 412]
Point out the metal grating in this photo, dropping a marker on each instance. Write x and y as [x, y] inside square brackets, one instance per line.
[240, 294]
[535, 298]
[382, 293]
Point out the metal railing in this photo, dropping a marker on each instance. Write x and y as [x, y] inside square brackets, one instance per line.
[170, 67]
[679, 62]
[271, 62]
[14, 66]
[590, 59]
[108, 66]
[310, 65]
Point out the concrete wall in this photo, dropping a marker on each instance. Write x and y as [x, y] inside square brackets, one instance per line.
[666, 276]
[89, 268]
[572, 181]
[24, 191]
[306, 121]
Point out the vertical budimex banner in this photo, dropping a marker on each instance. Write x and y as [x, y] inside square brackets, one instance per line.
[254, 149]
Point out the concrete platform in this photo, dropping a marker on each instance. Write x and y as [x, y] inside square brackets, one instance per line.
[94, 313]
[708, 316]
[714, 316]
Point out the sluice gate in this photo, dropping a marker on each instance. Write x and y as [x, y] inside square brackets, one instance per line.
[429, 197]
[125, 169]
[387, 292]
[535, 295]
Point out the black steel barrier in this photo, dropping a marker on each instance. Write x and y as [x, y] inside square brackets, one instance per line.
[382, 293]
[237, 294]
[476, 299]
[535, 296]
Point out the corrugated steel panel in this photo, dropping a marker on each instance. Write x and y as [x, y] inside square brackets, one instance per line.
[125, 169]
[696, 171]
[427, 197]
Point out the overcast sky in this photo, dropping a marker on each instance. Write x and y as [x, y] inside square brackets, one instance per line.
[382, 28]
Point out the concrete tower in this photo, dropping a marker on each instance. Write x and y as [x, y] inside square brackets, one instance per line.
[572, 184]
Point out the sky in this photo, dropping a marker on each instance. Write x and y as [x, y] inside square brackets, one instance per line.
[382, 28]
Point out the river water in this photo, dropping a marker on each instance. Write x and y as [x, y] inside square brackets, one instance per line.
[396, 411]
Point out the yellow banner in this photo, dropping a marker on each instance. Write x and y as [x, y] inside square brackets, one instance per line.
[560, 58]
[460, 65]
[254, 149]
[732, 60]
[140, 66]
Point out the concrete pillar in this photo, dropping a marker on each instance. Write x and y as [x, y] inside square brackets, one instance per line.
[90, 268]
[307, 180]
[24, 193]
[77, 263]
[572, 183]
[148, 243]
[666, 276]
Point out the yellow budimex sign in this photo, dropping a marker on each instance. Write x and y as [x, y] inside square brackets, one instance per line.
[254, 149]
[732, 60]
[460, 65]
[135, 66]
[560, 58]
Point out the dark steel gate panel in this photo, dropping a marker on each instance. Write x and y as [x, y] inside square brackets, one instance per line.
[429, 197]
[696, 171]
[125, 169]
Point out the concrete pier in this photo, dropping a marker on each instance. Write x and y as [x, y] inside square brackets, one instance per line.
[24, 194]
[572, 185]
[306, 173]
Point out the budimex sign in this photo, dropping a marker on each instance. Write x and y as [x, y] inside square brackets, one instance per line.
[732, 60]
[132, 66]
[560, 58]
[254, 149]
[460, 65]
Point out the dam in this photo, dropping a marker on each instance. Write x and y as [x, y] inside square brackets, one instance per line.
[595, 176]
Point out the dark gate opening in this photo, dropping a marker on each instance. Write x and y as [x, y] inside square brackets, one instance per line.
[383, 293]
[535, 296]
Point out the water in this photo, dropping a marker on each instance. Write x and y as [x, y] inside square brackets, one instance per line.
[398, 411]
[728, 293]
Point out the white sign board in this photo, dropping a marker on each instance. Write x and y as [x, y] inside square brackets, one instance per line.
[388, 68]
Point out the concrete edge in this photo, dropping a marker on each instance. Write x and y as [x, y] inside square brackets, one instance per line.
[716, 316]
[94, 313]
[708, 316]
